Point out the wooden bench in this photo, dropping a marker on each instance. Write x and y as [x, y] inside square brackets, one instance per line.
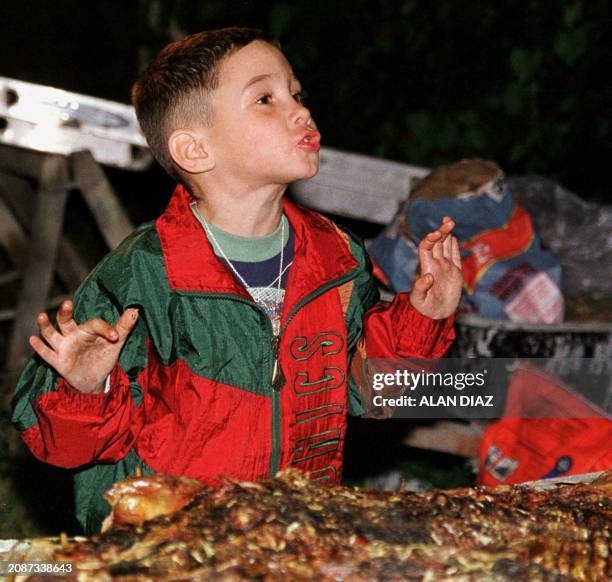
[32, 235]
[357, 186]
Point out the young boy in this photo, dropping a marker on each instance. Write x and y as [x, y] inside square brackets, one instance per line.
[218, 340]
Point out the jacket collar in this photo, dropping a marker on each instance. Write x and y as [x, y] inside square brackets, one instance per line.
[322, 252]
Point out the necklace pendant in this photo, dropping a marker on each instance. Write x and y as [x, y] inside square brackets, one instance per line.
[278, 378]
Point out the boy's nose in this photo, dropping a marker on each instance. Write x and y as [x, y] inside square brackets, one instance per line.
[301, 114]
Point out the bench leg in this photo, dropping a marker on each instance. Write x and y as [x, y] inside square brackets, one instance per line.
[38, 274]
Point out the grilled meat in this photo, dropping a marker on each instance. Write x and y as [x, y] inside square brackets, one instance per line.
[289, 529]
[140, 499]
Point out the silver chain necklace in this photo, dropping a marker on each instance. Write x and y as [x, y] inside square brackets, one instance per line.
[213, 239]
[278, 378]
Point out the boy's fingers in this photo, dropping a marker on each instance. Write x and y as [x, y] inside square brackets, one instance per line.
[446, 227]
[447, 224]
[422, 285]
[64, 318]
[102, 328]
[45, 352]
[64, 313]
[438, 235]
[437, 252]
[447, 247]
[455, 254]
[126, 322]
[42, 319]
[47, 331]
[429, 240]
[425, 258]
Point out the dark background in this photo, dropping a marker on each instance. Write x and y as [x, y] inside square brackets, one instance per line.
[522, 82]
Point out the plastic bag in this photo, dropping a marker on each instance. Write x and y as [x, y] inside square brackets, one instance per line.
[507, 272]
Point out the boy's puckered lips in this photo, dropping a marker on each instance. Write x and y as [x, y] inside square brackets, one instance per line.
[311, 141]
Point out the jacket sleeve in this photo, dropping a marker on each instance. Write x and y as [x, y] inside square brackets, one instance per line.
[398, 330]
[378, 329]
[67, 428]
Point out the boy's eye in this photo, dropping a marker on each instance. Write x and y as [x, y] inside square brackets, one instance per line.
[264, 99]
[300, 96]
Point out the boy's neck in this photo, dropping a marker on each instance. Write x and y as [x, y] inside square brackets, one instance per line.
[246, 213]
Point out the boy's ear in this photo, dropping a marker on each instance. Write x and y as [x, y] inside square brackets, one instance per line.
[189, 152]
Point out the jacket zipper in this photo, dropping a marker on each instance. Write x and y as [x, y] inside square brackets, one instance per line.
[277, 379]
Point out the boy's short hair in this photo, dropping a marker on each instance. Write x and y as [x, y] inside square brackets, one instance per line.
[175, 88]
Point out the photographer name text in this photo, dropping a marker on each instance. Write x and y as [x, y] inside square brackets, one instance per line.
[412, 380]
[433, 401]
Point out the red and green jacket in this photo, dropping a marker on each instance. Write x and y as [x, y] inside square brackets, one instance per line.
[191, 393]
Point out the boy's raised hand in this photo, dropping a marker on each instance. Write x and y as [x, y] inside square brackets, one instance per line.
[437, 289]
[84, 355]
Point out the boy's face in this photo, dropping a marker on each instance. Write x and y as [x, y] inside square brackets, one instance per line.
[261, 134]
